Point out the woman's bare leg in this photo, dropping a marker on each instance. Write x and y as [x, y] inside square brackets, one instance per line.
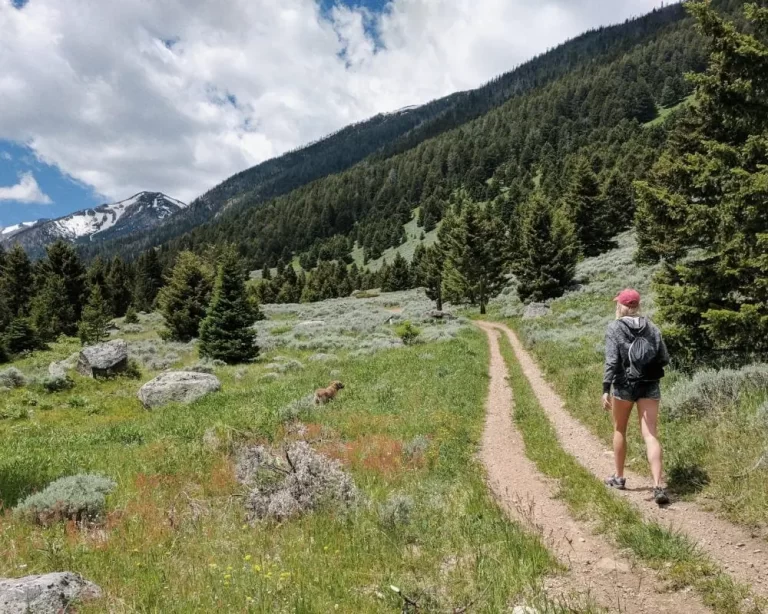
[621, 413]
[648, 412]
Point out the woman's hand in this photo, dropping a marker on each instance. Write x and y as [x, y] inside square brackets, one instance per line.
[607, 402]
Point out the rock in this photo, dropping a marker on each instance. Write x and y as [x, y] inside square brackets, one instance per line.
[45, 594]
[60, 368]
[436, 314]
[535, 310]
[177, 387]
[103, 359]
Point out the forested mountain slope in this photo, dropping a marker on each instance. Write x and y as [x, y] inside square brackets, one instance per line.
[407, 166]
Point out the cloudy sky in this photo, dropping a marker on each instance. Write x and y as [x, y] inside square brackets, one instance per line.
[105, 98]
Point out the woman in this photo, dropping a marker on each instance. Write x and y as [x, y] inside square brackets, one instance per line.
[635, 357]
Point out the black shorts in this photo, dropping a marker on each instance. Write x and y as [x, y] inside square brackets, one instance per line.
[626, 391]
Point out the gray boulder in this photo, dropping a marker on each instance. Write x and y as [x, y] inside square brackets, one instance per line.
[59, 369]
[103, 359]
[46, 594]
[177, 387]
[535, 310]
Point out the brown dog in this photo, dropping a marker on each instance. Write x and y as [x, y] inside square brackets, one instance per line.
[324, 395]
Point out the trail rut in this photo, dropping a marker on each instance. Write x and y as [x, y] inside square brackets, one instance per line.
[743, 555]
[594, 566]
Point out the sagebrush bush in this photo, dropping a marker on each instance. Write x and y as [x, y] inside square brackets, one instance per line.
[396, 511]
[298, 482]
[57, 382]
[296, 409]
[76, 497]
[12, 378]
[710, 390]
[416, 447]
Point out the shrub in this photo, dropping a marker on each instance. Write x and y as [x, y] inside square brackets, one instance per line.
[15, 413]
[301, 481]
[711, 390]
[285, 366]
[12, 378]
[57, 382]
[131, 317]
[396, 511]
[132, 370]
[407, 332]
[133, 328]
[296, 409]
[762, 414]
[416, 448]
[77, 497]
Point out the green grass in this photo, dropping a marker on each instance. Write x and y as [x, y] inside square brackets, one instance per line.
[175, 537]
[413, 239]
[665, 112]
[671, 553]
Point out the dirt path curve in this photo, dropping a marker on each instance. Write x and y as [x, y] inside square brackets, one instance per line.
[743, 555]
[595, 567]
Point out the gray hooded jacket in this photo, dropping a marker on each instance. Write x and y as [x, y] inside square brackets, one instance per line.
[619, 337]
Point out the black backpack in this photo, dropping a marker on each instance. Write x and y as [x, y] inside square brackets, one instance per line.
[642, 354]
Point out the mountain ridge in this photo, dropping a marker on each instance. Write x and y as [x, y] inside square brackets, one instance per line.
[141, 212]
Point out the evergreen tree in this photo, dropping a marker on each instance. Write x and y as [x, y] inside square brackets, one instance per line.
[95, 318]
[708, 194]
[131, 317]
[21, 337]
[63, 261]
[52, 312]
[618, 197]
[17, 282]
[548, 253]
[120, 286]
[149, 280]
[226, 333]
[399, 277]
[588, 211]
[184, 300]
[429, 274]
[475, 255]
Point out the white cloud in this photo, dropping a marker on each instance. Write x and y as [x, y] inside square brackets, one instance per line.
[26, 191]
[6, 156]
[91, 87]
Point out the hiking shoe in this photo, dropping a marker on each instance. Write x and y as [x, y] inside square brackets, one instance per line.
[617, 483]
[660, 496]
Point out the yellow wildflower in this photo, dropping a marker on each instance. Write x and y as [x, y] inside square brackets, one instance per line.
[247, 557]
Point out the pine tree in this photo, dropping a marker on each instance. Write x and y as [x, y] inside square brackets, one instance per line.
[184, 300]
[588, 211]
[618, 197]
[548, 252]
[131, 317]
[149, 280]
[52, 312]
[63, 261]
[475, 255]
[226, 333]
[17, 282]
[399, 277]
[120, 286]
[708, 193]
[429, 274]
[95, 318]
[21, 337]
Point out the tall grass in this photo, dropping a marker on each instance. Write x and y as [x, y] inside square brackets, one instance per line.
[174, 537]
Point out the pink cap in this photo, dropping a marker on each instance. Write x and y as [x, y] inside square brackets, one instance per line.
[628, 298]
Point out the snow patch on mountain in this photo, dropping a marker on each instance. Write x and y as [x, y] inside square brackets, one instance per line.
[15, 228]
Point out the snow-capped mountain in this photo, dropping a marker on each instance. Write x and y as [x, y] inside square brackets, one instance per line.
[9, 231]
[141, 212]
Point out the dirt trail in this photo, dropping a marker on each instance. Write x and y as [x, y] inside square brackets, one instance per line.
[595, 567]
[743, 555]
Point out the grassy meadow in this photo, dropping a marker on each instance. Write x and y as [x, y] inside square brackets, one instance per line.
[174, 537]
[717, 453]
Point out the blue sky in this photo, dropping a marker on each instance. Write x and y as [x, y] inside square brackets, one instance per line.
[65, 193]
[113, 108]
